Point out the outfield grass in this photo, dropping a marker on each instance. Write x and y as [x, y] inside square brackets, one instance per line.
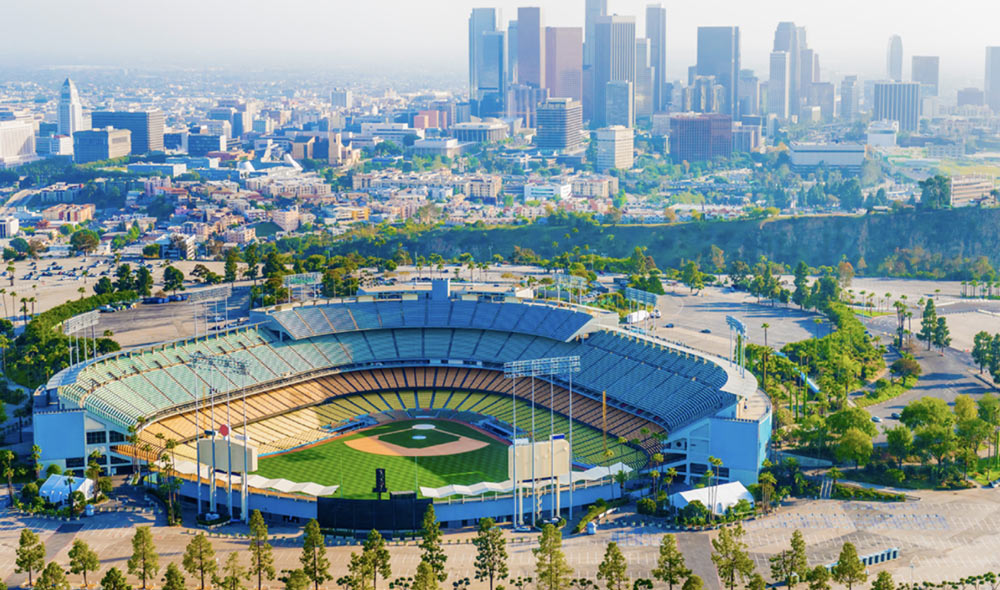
[335, 463]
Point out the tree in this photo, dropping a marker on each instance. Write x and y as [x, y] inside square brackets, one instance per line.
[261, 554]
[935, 192]
[790, 565]
[104, 286]
[692, 277]
[233, 574]
[927, 411]
[232, 260]
[819, 578]
[928, 325]
[173, 279]
[52, 578]
[800, 296]
[199, 559]
[144, 561]
[125, 281]
[981, 349]
[83, 559]
[693, 583]
[315, 564]
[430, 544]
[251, 256]
[849, 570]
[883, 581]
[376, 555]
[491, 552]
[613, 569]
[173, 579]
[905, 367]
[670, 566]
[30, 554]
[756, 582]
[855, 446]
[551, 570]
[143, 281]
[942, 336]
[730, 556]
[899, 441]
[296, 580]
[84, 241]
[426, 578]
[114, 579]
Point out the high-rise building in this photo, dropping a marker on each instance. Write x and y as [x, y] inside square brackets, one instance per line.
[787, 38]
[898, 101]
[808, 75]
[512, 52]
[341, 98]
[614, 60]
[492, 75]
[748, 93]
[594, 9]
[926, 72]
[719, 56]
[95, 145]
[894, 59]
[71, 117]
[200, 144]
[971, 97]
[620, 106]
[850, 94]
[823, 95]
[522, 102]
[778, 91]
[656, 32]
[564, 62]
[614, 148]
[17, 142]
[481, 20]
[560, 125]
[146, 127]
[643, 80]
[530, 47]
[992, 87]
[696, 138]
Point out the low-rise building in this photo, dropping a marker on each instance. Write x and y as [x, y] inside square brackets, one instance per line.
[847, 156]
[970, 190]
[547, 191]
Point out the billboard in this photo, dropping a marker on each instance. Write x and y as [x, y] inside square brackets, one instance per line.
[222, 453]
[548, 455]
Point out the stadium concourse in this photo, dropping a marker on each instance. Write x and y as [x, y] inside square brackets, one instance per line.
[319, 372]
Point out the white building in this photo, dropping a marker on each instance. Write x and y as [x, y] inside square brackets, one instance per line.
[547, 191]
[9, 227]
[849, 156]
[342, 99]
[71, 117]
[54, 145]
[614, 148]
[17, 142]
[882, 134]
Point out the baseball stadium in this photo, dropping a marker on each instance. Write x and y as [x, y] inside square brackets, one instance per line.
[433, 390]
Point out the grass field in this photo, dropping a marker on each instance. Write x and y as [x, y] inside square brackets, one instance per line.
[405, 438]
[335, 463]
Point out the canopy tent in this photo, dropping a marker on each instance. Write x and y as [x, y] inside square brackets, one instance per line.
[57, 488]
[476, 489]
[722, 496]
[263, 483]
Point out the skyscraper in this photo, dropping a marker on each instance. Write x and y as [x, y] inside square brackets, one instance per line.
[560, 124]
[492, 73]
[101, 144]
[894, 59]
[849, 98]
[564, 62]
[898, 101]
[643, 80]
[594, 10]
[778, 90]
[482, 20]
[656, 32]
[808, 74]
[748, 93]
[619, 108]
[992, 88]
[614, 60]
[719, 56]
[787, 39]
[512, 52]
[146, 127]
[530, 47]
[926, 71]
[696, 138]
[70, 109]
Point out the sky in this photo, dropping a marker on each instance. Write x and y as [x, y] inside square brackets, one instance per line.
[850, 35]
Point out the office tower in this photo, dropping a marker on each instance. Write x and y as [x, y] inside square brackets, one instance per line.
[200, 144]
[778, 91]
[719, 56]
[748, 93]
[522, 102]
[341, 99]
[614, 148]
[564, 62]
[703, 95]
[146, 127]
[926, 72]
[643, 80]
[898, 101]
[512, 52]
[894, 59]
[71, 117]
[971, 97]
[560, 125]
[656, 32]
[696, 138]
[992, 87]
[849, 98]
[530, 47]
[481, 20]
[614, 60]
[17, 142]
[823, 95]
[96, 145]
[808, 74]
[787, 38]
[492, 75]
[594, 9]
[620, 106]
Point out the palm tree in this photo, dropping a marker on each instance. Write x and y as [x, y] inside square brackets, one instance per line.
[716, 463]
[765, 326]
[668, 478]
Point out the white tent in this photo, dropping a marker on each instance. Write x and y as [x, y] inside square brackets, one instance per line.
[476, 489]
[57, 488]
[722, 496]
[256, 481]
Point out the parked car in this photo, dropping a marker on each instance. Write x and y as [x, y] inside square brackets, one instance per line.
[668, 325]
[706, 331]
[876, 419]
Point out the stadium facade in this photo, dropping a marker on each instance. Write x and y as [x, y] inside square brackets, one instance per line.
[662, 397]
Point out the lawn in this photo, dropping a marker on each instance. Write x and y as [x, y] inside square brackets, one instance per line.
[334, 463]
[405, 438]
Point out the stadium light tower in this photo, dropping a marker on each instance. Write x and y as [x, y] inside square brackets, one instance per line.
[561, 365]
[226, 366]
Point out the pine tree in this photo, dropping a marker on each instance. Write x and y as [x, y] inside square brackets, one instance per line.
[315, 564]
[819, 578]
[425, 579]
[849, 570]
[790, 565]
[233, 574]
[199, 558]
[430, 544]
[730, 556]
[491, 552]
[296, 580]
[261, 553]
[114, 579]
[377, 556]
[693, 583]
[670, 566]
[929, 324]
[144, 561]
[613, 569]
[52, 578]
[83, 559]
[173, 579]
[551, 570]
[30, 554]
[884, 581]
[942, 336]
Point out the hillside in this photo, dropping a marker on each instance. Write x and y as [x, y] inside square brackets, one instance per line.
[945, 243]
